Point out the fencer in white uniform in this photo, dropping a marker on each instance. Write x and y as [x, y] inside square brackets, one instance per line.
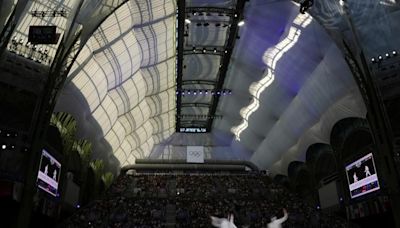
[277, 223]
[223, 222]
[366, 171]
[355, 178]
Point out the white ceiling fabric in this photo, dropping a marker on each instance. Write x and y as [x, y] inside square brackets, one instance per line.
[125, 80]
[290, 83]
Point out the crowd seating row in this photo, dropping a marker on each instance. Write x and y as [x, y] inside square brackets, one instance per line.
[144, 200]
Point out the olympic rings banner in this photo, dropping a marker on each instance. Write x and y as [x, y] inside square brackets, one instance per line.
[195, 154]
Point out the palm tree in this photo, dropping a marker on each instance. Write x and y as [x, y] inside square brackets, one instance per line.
[97, 167]
[84, 149]
[66, 125]
[107, 179]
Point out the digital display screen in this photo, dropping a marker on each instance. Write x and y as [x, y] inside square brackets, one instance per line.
[362, 177]
[193, 129]
[49, 173]
[42, 34]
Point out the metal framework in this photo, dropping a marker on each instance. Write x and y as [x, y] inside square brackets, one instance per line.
[74, 39]
[229, 49]
[181, 39]
[204, 105]
[194, 82]
[235, 14]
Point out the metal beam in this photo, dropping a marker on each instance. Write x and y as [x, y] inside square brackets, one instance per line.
[65, 57]
[179, 67]
[203, 117]
[195, 82]
[202, 105]
[193, 123]
[226, 11]
[200, 52]
[11, 24]
[226, 59]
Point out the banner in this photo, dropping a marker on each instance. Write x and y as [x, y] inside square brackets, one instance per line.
[195, 154]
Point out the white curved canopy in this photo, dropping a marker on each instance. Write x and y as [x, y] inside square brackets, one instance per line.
[122, 85]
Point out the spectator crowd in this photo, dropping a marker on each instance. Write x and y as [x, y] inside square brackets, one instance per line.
[143, 201]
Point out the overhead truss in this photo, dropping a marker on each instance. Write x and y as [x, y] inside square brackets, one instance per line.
[189, 15]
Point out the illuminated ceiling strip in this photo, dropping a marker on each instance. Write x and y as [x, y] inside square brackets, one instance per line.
[273, 55]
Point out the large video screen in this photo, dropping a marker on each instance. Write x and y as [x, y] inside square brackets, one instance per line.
[49, 173]
[362, 177]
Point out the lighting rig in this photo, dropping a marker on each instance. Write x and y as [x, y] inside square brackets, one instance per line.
[203, 92]
[49, 13]
[29, 50]
[190, 19]
[198, 117]
[381, 58]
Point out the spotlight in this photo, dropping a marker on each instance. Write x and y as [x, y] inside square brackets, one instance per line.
[188, 92]
[177, 92]
[394, 53]
[206, 92]
[241, 23]
[380, 57]
[3, 146]
[194, 49]
[226, 51]
[230, 91]
[235, 15]
[215, 50]
[187, 21]
[194, 13]
[373, 60]
[204, 50]
[387, 55]
[201, 92]
[194, 92]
